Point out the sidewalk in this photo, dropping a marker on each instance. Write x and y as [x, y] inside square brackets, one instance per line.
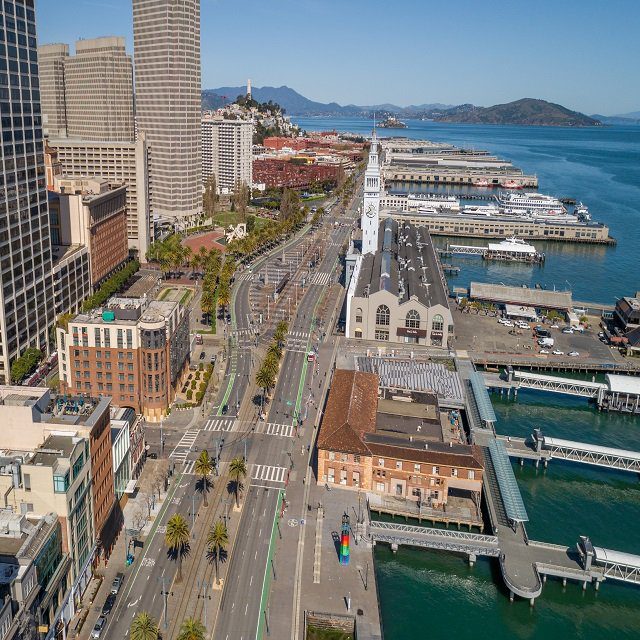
[100, 585]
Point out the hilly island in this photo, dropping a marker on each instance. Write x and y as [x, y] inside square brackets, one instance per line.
[527, 111]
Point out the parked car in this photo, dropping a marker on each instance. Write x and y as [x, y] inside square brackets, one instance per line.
[108, 604]
[544, 351]
[225, 409]
[567, 330]
[152, 456]
[99, 627]
[554, 326]
[117, 583]
[573, 354]
[202, 355]
[557, 352]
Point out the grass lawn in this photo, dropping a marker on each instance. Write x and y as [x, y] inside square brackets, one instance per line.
[185, 297]
[165, 292]
[315, 633]
[225, 218]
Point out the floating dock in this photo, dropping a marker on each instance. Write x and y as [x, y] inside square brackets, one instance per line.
[509, 250]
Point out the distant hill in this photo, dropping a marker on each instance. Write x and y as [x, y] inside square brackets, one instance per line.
[623, 120]
[633, 115]
[527, 111]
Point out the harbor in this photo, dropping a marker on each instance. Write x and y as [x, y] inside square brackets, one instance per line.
[509, 250]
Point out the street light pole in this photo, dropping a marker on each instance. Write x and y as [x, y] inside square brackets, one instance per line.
[193, 515]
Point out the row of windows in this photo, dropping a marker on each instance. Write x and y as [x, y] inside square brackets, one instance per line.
[412, 319]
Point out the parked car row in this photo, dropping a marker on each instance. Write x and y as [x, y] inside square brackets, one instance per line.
[101, 622]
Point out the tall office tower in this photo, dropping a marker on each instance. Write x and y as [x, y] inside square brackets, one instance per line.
[227, 151]
[26, 296]
[98, 83]
[51, 59]
[166, 42]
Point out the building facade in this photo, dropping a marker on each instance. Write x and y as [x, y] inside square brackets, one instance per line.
[51, 61]
[227, 152]
[91, 213]
[133, 350]
[166, 39]
[119, 163]
[26, 297]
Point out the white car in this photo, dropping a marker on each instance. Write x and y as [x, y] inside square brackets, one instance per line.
[508, 323]
[567, 330]
[524, 325]
[557, 352]
[544, 351]
[554, 326]
[573, 354]
[503, 321]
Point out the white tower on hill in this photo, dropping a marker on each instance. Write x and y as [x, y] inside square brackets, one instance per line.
[369, 219]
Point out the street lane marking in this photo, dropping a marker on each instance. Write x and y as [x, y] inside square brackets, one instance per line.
[188, 467]
[321, 278]
[181, 450]
[275, 429]
[268, 473]
[219, 425]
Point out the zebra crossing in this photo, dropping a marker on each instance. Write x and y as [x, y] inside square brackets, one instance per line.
[245, 275]
[182, 449]
[321, 277]
[187, 470]
[268, 476]
[275, 429]
[219, 424]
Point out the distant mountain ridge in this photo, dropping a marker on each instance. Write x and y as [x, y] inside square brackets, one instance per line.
[527, 111]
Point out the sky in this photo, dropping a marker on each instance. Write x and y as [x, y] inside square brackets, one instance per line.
[583, 54]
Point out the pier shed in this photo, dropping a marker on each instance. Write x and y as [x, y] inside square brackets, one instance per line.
[623, 393]
[521, 296]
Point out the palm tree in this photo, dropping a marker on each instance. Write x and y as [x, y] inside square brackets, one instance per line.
[266, 380]
[192, 629]
[217, 541]
[143, 627]
[203, 468]
[237, 471]
[177, 539]
[271, 364]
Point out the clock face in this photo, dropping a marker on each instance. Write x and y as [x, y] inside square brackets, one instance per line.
[371, 210]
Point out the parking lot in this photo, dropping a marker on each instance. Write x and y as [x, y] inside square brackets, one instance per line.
[483, 333]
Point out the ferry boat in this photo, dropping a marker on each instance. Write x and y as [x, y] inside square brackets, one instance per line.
[513, 250]
[481, 183]
[481, 210]
[511, 184]
[582, 213]
[530, 203]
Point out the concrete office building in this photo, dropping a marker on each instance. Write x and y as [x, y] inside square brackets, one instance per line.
[91, 213]
[26, 296]
[227, 151]
[132, 350]
[166, 38]
[51, 60]
[118, 163]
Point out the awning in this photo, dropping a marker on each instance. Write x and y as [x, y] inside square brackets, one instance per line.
[131, 487]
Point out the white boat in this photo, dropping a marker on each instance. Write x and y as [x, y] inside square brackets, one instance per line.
[481, 210]
[530, 203]
[432, 200]
[513, 249]
[582, 212]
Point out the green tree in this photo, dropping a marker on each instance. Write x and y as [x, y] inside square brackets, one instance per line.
[192, 629]
[237, 472]
[217, 541]
[203, 468]
[177, 540]
[210, 196]
[21, 367]
[143, 627]
[271, 364]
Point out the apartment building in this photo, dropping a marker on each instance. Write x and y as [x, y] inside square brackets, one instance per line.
[166, 42]
[133, 350]
[26, 295]
[227, 151]
[91, 212]
[124, 163]
[51, 61]
[392, 448]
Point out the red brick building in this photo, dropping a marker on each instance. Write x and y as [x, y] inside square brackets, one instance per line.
[274, 172]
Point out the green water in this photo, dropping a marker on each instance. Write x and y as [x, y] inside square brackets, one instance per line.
[436, 595]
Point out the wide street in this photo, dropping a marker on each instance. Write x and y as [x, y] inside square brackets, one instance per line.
[233, 428]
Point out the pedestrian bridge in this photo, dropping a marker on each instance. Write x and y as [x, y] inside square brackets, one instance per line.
[557, 384]
[474, 544]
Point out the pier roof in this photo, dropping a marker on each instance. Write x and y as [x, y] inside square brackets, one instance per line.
[481, 395]
[623, 384]
[539, 298]
[509, 490]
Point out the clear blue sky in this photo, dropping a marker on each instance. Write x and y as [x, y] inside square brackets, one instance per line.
[584, 54]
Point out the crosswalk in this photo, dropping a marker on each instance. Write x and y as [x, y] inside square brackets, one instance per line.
[188, 467]
[274, 429]
[268, 476]
[246, 275]
[219, 424]
[182, 449]
[321, 277]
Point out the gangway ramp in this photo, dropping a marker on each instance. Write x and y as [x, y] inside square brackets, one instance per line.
[475, 544]
[618, 565]
[557, 384]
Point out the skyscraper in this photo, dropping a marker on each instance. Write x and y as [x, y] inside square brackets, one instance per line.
[166, 39]
[99, 91]
[51, 59]
[26, 296]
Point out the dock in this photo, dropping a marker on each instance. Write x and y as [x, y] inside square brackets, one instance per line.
[509, 250]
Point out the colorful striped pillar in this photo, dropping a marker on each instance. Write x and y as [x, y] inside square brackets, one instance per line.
[344, 540]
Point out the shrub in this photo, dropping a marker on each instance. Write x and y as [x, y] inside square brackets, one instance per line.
[194, 384]
[189, 394]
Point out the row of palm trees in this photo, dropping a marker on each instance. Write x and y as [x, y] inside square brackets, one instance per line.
[144, 627]
[177, 538]
[266, 374]
[172, 255]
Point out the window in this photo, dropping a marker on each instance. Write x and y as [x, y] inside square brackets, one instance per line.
[61, 483]
[356, 457]
[332, 475]
[438, 323]
[332, 455]
[343, 477]
[380, 487]
[26, 479]
[356, 479]
[471, 474]
[416, 468]
[454, 473]
[358, 333]
[399, 464]
[435, 471]
[381, 462]
[412, 321]
[381, 335]
[358, 314]
[383, 315]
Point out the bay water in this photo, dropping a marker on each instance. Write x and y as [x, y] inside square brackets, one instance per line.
[425, 594]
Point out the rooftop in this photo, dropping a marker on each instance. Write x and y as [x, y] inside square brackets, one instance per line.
[128, 311]
[54, 448]
[623, 384]
[405, 264]
[539, 298]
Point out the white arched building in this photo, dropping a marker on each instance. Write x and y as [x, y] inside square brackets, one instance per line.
[398, 293]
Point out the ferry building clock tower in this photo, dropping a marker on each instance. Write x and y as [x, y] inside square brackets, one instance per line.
[369, 219]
